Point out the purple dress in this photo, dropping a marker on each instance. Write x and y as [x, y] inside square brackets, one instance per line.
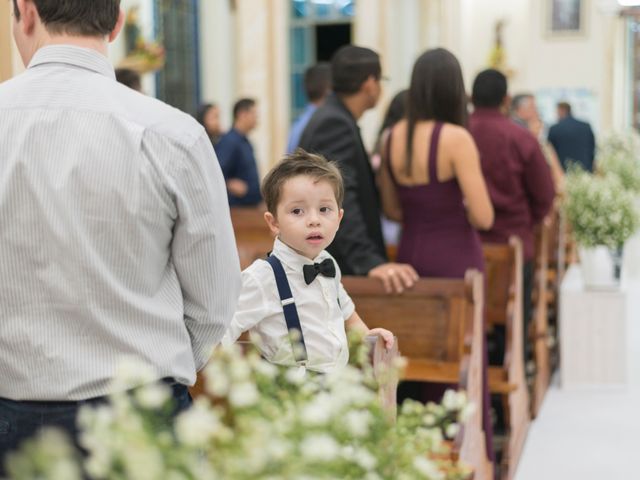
[438, 241]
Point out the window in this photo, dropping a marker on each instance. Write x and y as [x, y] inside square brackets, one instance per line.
[178, 83]
[318, 29]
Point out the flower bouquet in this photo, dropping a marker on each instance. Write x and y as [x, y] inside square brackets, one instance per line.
[602, 216]
[256, 421]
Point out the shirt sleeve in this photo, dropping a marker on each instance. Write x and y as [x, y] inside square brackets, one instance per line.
[203, 249]
[251, 308]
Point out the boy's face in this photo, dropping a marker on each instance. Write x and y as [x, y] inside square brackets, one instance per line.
[307, 216]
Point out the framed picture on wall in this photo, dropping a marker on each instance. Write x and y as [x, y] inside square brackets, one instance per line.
[565, 17]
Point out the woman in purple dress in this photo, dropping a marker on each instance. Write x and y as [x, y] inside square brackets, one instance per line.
[431, 181]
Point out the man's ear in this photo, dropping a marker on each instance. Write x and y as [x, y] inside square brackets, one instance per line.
[369, 84]
[272, 222]
[119, 24]
[28, 16]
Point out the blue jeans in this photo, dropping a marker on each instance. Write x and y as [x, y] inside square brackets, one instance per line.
[20, 420]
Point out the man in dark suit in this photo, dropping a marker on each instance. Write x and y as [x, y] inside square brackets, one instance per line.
[572, 139]
[333, 132]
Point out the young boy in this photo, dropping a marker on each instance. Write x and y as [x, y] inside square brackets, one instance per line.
[294, 301]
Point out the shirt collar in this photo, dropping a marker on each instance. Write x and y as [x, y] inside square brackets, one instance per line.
[293, 259]
[86, 58]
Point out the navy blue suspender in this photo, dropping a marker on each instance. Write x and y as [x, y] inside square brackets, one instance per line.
[290, 310]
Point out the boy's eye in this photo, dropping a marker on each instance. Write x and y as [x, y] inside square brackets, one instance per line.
[325, 209]
[296, 211]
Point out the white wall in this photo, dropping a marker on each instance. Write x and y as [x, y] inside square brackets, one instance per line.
[539, 61]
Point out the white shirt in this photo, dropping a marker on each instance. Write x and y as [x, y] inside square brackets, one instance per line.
[323, 306]
[115, 235]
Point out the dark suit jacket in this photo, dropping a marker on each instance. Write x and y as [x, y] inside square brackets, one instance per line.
[334, 133]
[573, 141]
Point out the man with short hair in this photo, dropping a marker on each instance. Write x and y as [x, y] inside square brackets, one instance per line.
[333, 132]
[572, 139]
[116, 237]
[129, 77]
[523, 109]
[237, 159]
[517, 174]
[317, 85]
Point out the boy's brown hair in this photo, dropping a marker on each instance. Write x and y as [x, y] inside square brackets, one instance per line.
[299, 163]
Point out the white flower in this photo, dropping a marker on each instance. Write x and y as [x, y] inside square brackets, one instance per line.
[132, 372]
[454, 401]
[266, 369]
[239, 370]
[316, 412]
[427, 468]
[452, 430]
[243, 395]
[357, 422]
[216, 384]
[295, 375]
[152, 396]
[365, 459]
[196, 426]
[319, 447]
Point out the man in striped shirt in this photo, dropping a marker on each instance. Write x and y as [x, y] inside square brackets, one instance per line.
[115, 235]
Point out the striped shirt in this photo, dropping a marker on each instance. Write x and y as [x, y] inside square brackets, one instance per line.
[115, 235]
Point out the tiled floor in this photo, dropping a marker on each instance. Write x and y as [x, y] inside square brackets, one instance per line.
[590, 434]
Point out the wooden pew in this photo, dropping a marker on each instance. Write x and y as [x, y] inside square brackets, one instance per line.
[503, 264]
[542, 303]
[438, 324]
[253, 237]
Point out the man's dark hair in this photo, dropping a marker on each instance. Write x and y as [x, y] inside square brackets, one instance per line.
[129, 77]
[91, 18]
[243, 105]
[351, 66]
[436, 93]
[317, 81]
[519, 99]
[566, 106]
[489, 89]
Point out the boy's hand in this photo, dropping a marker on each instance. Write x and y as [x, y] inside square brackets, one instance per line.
[386, 335]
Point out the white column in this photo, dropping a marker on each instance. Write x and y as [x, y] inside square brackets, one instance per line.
[218, 56]
[262, 66]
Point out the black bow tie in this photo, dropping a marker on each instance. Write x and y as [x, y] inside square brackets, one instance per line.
[326, 268]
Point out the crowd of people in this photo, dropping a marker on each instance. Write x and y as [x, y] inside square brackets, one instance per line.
[117, 238]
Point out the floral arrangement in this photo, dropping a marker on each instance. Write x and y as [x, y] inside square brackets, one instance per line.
[599, 209]
[257, 421]
[619, 156]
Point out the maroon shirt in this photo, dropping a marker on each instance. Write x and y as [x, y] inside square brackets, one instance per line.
[517, 174]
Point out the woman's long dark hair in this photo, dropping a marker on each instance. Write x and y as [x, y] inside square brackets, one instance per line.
[436, 93]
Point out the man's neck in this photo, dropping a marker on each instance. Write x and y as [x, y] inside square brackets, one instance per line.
[356, 104]
[98, 44]
[240, 129]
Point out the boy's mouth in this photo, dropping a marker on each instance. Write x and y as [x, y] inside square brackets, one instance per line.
[314, 237]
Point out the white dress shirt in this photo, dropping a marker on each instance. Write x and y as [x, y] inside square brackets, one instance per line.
[323, 306]
[115, 235]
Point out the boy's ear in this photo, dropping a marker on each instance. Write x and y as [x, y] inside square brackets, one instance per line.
[340, 215]
[272, 222]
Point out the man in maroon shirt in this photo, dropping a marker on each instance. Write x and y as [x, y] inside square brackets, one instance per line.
[517, 174]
